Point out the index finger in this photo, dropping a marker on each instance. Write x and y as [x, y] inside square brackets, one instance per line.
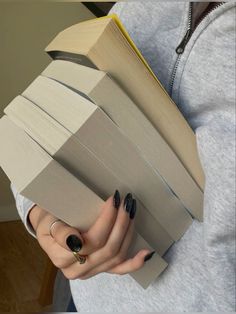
[99, 232]
[88, 242]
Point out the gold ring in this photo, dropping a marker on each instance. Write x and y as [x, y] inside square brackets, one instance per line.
[52, 224]
[80, 258]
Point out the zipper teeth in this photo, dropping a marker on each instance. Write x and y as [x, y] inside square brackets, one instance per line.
[215, 7]
[178, 58]
[189, 28]
[190, 16]
[174, 73]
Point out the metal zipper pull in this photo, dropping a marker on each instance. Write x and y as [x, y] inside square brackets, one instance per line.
[180, 49]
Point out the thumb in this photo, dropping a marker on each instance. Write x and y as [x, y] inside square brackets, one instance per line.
[68, 237]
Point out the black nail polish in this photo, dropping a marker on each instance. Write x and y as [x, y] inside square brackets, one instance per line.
[133, 209]
[116, 199]
[148, 256]
[74, 243]
[128, 201]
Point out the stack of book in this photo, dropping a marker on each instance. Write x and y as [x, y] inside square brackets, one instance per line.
[96, 120]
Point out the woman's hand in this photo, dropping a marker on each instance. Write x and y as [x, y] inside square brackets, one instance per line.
[106, 242]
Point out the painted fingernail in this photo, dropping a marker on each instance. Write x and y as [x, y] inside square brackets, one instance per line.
[128, 202]
[116, 199]
[148, 256]
[133, 209]
[74, 243]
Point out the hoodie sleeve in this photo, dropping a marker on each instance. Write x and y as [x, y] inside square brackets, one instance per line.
[23, 206]
[216, 146]
[208, 74]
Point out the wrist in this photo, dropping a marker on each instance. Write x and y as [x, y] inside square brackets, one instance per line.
[35, 215]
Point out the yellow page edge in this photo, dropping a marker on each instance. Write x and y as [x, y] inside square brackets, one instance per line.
[131, 42]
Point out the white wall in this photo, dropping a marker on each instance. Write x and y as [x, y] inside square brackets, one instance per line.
[25, 30]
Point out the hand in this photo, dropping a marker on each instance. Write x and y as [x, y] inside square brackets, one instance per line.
[106, 242]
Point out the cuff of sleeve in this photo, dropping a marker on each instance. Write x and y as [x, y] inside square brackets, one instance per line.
[24, 206]
[28, 205]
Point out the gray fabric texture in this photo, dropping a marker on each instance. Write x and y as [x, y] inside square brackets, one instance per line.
[201, 272]
[23, 206]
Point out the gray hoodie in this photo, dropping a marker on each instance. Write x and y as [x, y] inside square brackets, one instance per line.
[201, 272]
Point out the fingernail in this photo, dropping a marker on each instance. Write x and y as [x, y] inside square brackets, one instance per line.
[74, 243]
[133, 209]
[116, 199]
[128, 202]
[148, 256]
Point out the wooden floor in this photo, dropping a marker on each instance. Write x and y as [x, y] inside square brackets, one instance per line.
[22, 265]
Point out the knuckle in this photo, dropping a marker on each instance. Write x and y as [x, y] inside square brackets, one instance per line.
[123, 223]
[132, 226]
[111, 251]
[59, 263]
[121, 274]
[71, 277]
[123, 229]
[39, 232]
[118, 259]
[83, 277]
[137, 264]
[98, 243]
[70, 274]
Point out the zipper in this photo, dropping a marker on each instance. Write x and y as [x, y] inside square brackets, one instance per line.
[181, 47]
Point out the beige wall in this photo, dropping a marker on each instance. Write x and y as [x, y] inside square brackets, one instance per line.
[25, 30]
